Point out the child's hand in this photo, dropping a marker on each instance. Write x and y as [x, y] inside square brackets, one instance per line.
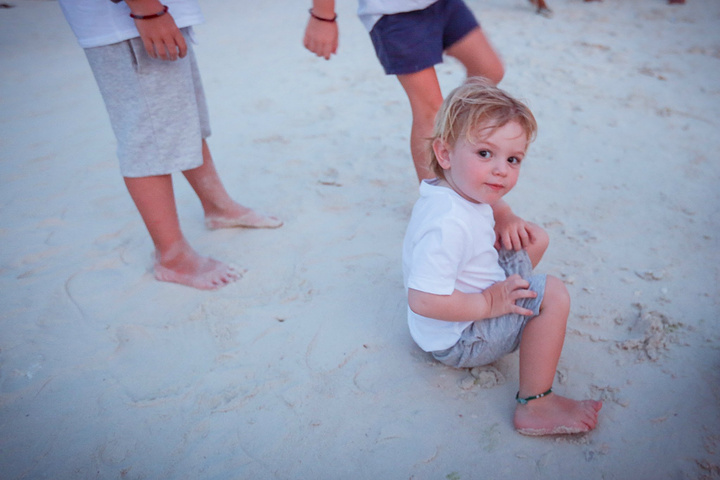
[513, 233]
[321, 38]
[162, 38]
[501, 296]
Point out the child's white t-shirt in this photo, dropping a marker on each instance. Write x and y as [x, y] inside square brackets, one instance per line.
[370, 11]
[97, 23]
[449, 245]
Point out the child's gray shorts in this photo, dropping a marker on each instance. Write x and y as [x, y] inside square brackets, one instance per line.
[486, 341]
[157, 107]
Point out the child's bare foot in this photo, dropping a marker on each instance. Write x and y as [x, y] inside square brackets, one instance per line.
[554, 415]
[240, 216]
[195, 271]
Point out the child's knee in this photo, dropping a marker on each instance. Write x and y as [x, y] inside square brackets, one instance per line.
[540, 237]
[539, 241]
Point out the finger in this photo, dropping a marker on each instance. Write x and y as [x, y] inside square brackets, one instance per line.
[316, 48]
[531, 236]
[182, 46]
[523, 293]
[150, 49]
[523, 311]
[518, 282]
[165, 52]
[326, 52]
[170, 51]
[516, 241]
[524, 238]
[499, 241]
[506, 242]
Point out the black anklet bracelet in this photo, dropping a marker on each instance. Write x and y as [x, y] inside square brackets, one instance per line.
[523, 401]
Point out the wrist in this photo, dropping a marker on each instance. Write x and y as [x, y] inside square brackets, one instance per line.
[159, 13]
[323, 16]
[142, 8]
[486, 306]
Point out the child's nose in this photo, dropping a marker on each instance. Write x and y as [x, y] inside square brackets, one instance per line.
[500, 168]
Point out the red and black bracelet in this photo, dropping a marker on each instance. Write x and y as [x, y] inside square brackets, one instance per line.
[148, 17]
[331, 20]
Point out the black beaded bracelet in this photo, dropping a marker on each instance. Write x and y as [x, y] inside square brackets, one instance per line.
[148, 17]
[331, 20]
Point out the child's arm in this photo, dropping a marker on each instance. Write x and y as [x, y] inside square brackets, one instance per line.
[496, 300]
[161, 37]
[321, 36]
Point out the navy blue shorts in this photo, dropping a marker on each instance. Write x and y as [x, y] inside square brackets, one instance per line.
[413, 41]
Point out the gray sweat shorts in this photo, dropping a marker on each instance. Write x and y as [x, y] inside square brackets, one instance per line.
[486, 341]
[157, 108]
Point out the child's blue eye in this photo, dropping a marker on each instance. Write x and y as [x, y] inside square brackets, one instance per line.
[485, 153]
[514, 160]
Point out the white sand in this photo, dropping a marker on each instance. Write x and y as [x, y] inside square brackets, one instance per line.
[304, 369]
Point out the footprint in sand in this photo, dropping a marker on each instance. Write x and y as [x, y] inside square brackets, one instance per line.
[484, 377]
[651, 334]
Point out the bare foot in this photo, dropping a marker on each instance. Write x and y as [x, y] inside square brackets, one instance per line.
[241, 217]
[195, 271]
[555, 415]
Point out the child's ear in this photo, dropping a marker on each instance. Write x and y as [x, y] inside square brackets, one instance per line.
[442, 153]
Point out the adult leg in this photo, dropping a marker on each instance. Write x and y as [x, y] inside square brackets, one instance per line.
[221, 211]
[175, 260]
[540, 348]
[478, 56]
[423, 91]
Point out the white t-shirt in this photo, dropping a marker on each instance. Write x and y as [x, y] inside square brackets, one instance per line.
[449, 245]
[370, 11]
[98, 23]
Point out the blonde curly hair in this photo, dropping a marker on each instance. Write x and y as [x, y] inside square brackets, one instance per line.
[477, 105]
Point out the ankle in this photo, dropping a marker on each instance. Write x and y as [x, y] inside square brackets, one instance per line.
[523, 399]
[173, 254]
[221, 207]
